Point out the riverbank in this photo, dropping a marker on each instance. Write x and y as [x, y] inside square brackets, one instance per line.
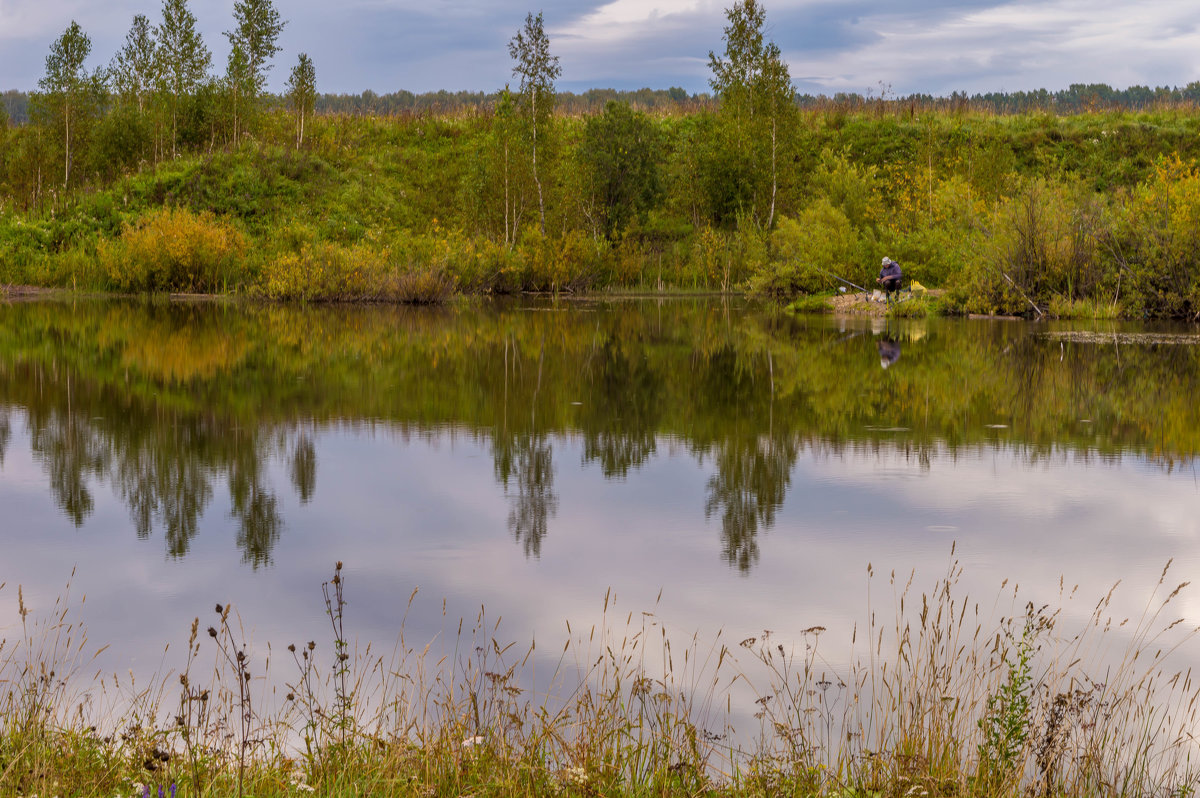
[1004, 213]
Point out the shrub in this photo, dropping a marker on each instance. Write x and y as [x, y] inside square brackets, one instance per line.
[1158, 238]
[173, 249]
[806, 250]
[326, 271]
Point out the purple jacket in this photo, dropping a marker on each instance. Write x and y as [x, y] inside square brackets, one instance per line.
[891, 270]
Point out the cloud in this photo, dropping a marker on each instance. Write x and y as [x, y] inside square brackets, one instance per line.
[905, 46]
[1014, 46]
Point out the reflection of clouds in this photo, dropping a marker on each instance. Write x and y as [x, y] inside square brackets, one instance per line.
[427, 511]
[1003, 486]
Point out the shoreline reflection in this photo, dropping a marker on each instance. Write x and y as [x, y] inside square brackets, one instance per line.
[169, 406]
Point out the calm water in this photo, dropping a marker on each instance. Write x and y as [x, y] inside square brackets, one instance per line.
[724, 466]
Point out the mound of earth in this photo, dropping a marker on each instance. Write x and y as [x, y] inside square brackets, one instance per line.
[875, 302]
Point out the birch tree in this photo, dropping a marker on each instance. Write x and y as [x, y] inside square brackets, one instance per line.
[67, 88]
[252, 46]
[238, 83]
[536, 69]
[134, 70]
[185, 58]
[302, 91]
[755, 89]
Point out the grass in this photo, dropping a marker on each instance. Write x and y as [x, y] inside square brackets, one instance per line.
[1094, 309]
[941, 699]
[811, 303]
[918, 307]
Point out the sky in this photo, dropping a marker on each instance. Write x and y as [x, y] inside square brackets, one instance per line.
[890, 47]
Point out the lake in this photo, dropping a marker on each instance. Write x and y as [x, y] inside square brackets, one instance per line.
[723, 466]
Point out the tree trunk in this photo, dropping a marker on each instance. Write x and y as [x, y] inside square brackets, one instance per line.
[67, 145]
[507, 240]
[537, 180]
[774, 177]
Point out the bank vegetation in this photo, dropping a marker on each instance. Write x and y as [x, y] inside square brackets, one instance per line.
[127, 179]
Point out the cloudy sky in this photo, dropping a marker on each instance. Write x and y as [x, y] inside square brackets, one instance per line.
[897, 46]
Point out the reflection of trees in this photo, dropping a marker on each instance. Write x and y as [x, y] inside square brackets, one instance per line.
[156, 482]
[5, 432]
[747, 489]
[165, 402]
[753, 464]
[254, 505]
[303, 469]
[620, 419]
[71, 454]
[527, 461]
[162, 464]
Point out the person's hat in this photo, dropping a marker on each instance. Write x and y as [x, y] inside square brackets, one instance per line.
[886, 261]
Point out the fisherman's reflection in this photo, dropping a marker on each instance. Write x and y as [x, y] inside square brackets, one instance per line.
[889, 351]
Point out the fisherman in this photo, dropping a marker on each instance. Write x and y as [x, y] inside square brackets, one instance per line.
[889, 277]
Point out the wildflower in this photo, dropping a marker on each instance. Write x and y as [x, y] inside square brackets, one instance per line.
[471, 742]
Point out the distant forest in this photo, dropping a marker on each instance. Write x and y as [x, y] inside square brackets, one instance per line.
[1078, 98]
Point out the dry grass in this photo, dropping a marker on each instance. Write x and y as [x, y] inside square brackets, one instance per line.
[933, 698]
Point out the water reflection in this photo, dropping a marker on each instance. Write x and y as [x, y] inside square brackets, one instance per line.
[524, 465]
[168, 406]
[748, 488]
[162, 464]
[889, 352]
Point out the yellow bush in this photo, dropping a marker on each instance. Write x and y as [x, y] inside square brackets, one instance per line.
[326, 271]
[173, 249]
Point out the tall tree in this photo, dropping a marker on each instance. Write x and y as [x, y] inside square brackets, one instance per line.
[622, 151]
[185, 58]
[756, 93]
[302, 91]
[67, 87]
[134, 71]
[238, 82]
[537, 70]
[252, 46]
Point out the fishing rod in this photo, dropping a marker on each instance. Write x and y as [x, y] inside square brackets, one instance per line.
[847, 282]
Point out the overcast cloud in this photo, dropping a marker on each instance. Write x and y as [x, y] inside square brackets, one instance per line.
[897, 46]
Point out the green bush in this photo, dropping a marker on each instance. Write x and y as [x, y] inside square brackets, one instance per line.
[807, 250]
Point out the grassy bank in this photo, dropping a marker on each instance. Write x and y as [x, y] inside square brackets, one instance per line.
[943, 700]
[1087, 214]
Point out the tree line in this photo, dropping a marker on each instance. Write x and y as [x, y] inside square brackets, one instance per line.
[1077, 98]
[157, 96]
